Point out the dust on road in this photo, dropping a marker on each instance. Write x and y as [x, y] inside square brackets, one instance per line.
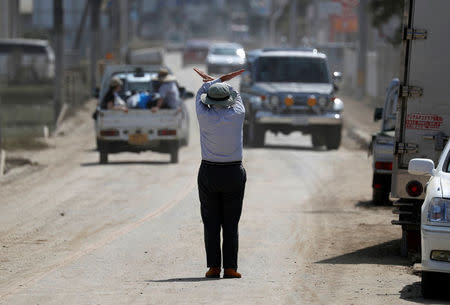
[75, 232]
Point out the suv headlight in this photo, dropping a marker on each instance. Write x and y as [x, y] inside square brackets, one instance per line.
[323, 102]
[439, 211]
[274, 101]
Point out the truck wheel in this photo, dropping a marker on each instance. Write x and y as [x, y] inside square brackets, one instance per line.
[380, 196]
[256, 134]
[428, 284]
[174, 154]
[334, 137]
[103, 157]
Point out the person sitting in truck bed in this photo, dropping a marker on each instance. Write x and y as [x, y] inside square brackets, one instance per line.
[112, 100]
[168, 91]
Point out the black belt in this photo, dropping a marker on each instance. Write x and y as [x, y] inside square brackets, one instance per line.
[221, 163]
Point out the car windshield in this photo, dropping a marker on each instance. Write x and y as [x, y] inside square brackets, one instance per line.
[224, 51]
[292, 69]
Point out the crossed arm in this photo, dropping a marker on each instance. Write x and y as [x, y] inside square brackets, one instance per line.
[209, 80]
[223, 78]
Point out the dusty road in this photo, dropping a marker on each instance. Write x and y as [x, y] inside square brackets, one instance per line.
[75, 232]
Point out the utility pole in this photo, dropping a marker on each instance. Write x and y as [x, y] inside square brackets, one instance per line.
[58, 25]
[274, 18]
[124, 21]
[363, 25]
[293, 23]
[95, 40]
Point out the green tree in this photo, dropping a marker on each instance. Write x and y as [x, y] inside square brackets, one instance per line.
[382, 11]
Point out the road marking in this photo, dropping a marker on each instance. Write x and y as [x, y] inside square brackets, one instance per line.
[103, 242]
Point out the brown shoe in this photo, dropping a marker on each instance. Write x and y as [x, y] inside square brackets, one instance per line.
[213, 272]
[230, 273]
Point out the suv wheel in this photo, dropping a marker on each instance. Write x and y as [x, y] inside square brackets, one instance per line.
[334, 137]
[256, 134]
[318, 139]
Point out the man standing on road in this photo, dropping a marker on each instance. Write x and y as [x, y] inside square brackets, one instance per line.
[221, 178]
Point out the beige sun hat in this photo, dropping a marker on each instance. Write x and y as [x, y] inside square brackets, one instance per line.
[115, 81]
[164, 76]
[219, 94]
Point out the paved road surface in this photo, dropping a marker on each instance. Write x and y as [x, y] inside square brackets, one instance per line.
[76, 232]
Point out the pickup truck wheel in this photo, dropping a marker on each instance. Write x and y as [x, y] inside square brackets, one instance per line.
[174, 154]
[103, 157]
[334, 136]
[428, 284]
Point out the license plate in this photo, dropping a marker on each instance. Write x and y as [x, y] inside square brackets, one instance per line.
[137, 139]
[301, 121]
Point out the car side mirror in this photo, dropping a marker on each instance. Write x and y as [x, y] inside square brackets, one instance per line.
[96, 92]
[420, 166]
[337, 77]
[378, 114]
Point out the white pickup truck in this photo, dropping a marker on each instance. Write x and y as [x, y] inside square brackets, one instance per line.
[139, 130]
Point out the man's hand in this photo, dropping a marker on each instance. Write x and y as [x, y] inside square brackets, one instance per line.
[231, 75]
[206, 78]
[223, 78]
[155, 109]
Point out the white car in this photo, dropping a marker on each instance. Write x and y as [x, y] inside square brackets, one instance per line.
[224, 58]
[435, 221]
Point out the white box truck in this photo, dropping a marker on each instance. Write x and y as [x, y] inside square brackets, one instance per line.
[423, 116]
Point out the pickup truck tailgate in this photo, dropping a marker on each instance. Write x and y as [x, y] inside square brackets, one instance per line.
[140, 121]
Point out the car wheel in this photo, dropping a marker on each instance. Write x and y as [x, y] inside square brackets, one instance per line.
[428, 284]
[103, 157]
[334, 136]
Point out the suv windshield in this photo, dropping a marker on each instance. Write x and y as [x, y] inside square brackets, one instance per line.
[292, 69]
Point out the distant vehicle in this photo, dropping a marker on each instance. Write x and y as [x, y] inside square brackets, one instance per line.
[225, 57]
[435, 221]
[26, 60]
[148, 56]
[423, 119]
[140, 129]
[195, 52]
[382, 145]
[174, 42]
[291, 90]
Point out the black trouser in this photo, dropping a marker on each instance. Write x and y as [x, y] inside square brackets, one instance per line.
[221, 189]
